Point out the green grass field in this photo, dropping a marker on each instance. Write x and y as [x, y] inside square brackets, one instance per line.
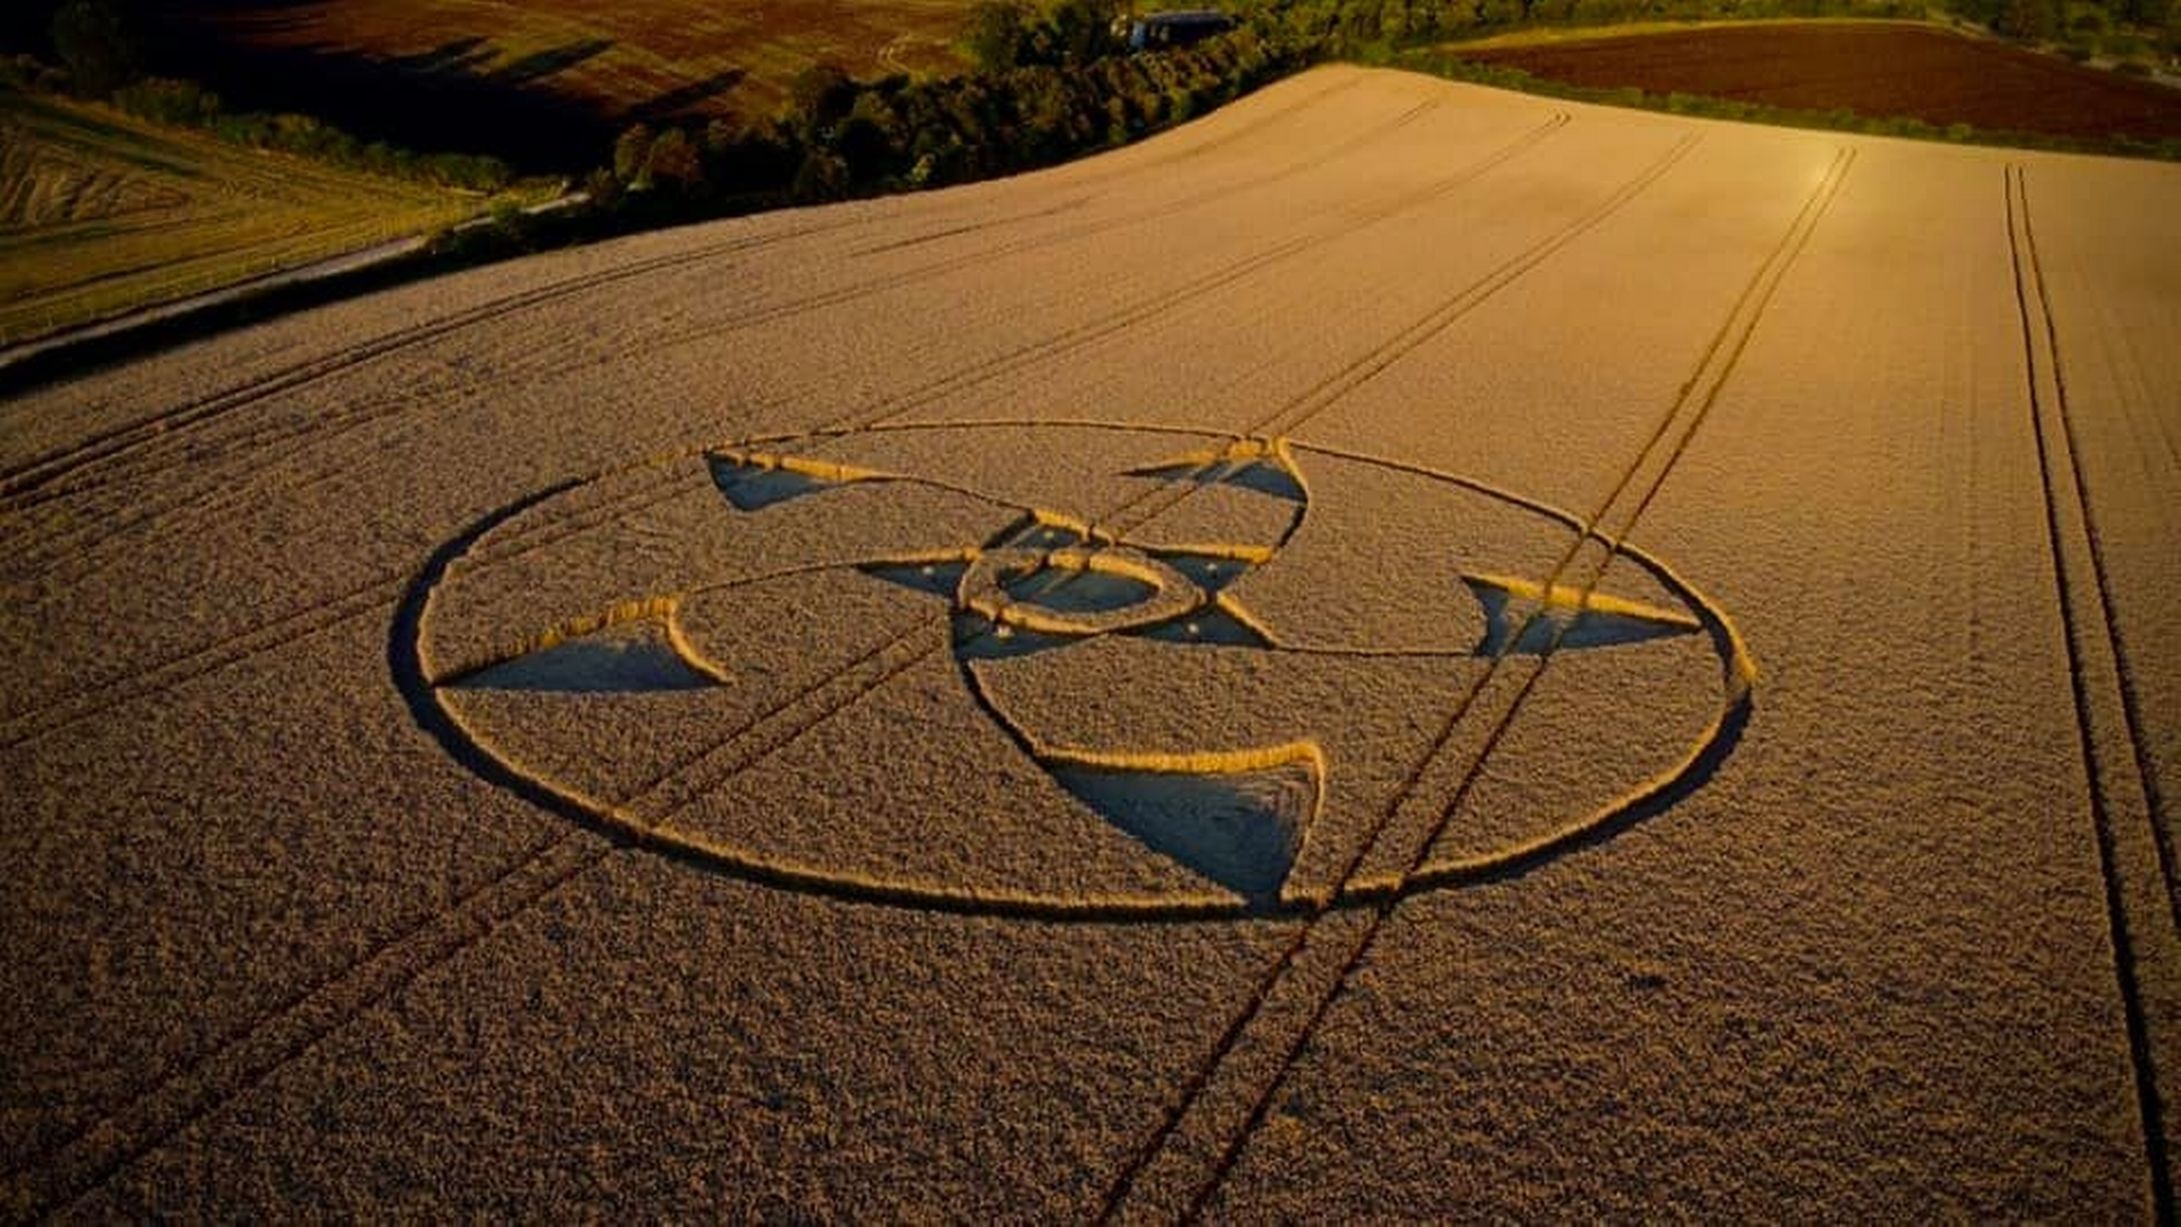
[101, 213]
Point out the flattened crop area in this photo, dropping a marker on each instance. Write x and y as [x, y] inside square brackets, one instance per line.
[1398, 650]
[1875, 69]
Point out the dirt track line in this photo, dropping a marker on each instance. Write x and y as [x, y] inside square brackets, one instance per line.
[270, 1041]
[20, 479]
[1691, 406]
[63, 1176]
[1717, 363]
[1154, 305]
[54, 715]
[43, 719]
[967, 260]
[27, 485]
[1358, 373]
[2124, 675]
[1329, 391]
[2035, 313]
[215, 495]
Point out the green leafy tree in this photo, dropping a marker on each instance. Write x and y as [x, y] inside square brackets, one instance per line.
[822, 176]
[999, 34]
[2030, 19]
[822, 93]
[631, 153]
[673, 161]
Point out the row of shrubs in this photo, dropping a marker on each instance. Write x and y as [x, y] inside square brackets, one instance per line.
[838, 138]
[1054, 82]
[845, 137]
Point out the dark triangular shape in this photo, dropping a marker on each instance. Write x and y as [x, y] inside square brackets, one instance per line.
[1574, 620]
[753, 487]
[1210, 572]
[629, 657]
[1241, 829]
[1266, 477]
[1210, 625]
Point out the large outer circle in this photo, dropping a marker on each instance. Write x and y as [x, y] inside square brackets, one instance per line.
[429, 703]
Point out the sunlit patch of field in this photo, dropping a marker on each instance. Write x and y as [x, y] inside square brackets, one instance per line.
[101, 213]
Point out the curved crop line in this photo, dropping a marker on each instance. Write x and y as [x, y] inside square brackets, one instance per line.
[625, 823]
[982, 591]
[1282, 451]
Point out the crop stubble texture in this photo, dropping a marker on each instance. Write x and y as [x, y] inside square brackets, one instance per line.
[1907, 947]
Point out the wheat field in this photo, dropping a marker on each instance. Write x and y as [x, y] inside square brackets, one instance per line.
[1400, 650]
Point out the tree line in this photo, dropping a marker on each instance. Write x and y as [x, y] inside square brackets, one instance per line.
[1051, 80]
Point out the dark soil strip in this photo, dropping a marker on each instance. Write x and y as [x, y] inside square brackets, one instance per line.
[1874, 69]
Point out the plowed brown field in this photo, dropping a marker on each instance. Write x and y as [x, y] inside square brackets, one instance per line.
[1400, 651]
[1877, 69]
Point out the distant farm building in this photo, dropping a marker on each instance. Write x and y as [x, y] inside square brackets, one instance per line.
[1159, 31]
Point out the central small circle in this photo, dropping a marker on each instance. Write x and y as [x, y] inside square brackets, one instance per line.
[1077, 591]
[1069, 590]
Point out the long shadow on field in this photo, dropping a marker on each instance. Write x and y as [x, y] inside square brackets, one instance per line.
[456, 55]
[687, 96]
[542, 64]
[442, 100]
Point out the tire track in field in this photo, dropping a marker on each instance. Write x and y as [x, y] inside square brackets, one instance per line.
[1066, 342]
[30, 483]
[1329, 391]
[166, 1109]
[1179, 1169]
[262, 1045]
[101, 544]
[2124, 674]
[1153, 305]
[42, 719]
[2077, 563]
[934, 269]
[90, 538]
[18, 479]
